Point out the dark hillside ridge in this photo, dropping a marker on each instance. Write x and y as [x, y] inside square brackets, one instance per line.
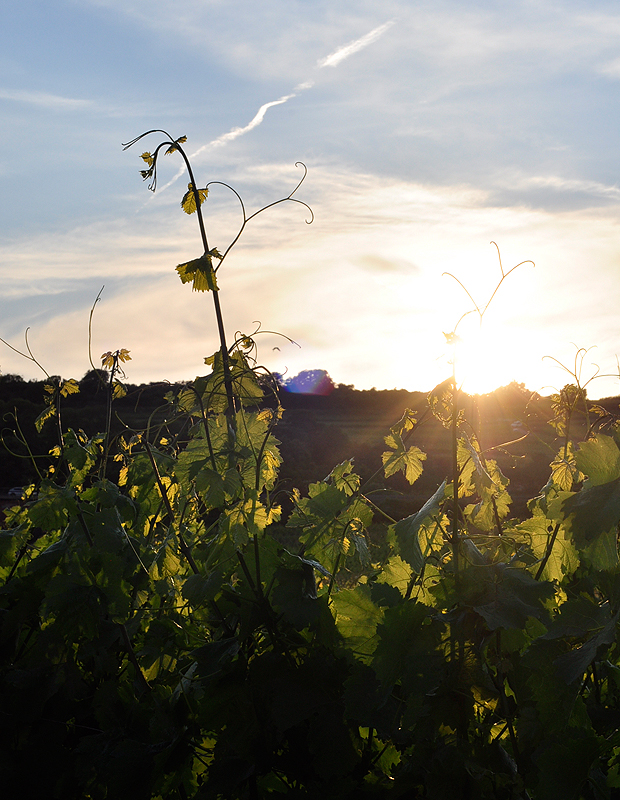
[319, 431]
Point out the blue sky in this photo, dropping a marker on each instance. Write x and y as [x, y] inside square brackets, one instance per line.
[429, 129]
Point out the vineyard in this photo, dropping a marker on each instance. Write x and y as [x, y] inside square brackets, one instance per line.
[178, 622]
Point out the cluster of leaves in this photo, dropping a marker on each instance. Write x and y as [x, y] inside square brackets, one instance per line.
[157, 639]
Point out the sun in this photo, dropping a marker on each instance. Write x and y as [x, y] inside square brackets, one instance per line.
[491, 341]
[482, 356]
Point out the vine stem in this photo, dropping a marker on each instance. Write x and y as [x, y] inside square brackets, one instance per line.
[499, 684]
[164, 495]
[333, 575]
[205, 423]
[132, 657]
[230, 400]
[548, 551]
[176, 146]
[455, 477]
[108, 415]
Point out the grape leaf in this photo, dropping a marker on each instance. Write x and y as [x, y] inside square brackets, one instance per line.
[510, 597]
[43, 417]
[563, 559]
[118, 390]
[200, 272]
[188, 203]
[593, 512]
[407, 529]
[357, 618]
[344, 478]
[599, 459]
[572, 665]
[68, 387]
[173, 147]
[409, 461]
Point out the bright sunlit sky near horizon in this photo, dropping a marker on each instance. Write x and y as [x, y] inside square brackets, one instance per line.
[429, 129]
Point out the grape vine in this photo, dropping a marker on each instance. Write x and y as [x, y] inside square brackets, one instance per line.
[158, 641]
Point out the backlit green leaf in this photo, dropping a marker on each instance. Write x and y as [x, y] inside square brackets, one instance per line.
[564, 471]
[407, 461]
[68, 387]
[118, 390]
[593, 511]
[344, 478]
[200, 272]
[599, 459]
[47, 413]
[357, 618]
[399, 458]
[396, 572]
[440, 401]
[563, 559]
[188, 203]
[509, 596]
[408, 529]
[571, 666]
[52, 508]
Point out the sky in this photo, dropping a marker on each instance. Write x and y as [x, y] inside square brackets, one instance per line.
[429, 131]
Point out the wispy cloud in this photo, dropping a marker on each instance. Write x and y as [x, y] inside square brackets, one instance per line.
[339, 55]
[567, 185]
[378, 244]
[611, 69]
[573, 185]
[42, 99]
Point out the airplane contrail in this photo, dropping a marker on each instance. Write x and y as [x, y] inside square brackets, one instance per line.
[232, 134]
[332, 60]
[347, 50]
[235, 132]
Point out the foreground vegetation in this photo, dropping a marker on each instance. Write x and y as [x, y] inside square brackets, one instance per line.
[176, 623]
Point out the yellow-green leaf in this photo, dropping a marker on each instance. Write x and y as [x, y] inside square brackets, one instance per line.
[109, 359]
[173, 147]
[409, 461]
[148, 158]
[562, 474]
[43, 417]
[564, 471]
[188, 203]
[200, 272]
[118, 390]
[69, 387]
[599, 459]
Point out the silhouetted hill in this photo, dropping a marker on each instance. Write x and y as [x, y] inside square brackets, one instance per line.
[317, 431]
